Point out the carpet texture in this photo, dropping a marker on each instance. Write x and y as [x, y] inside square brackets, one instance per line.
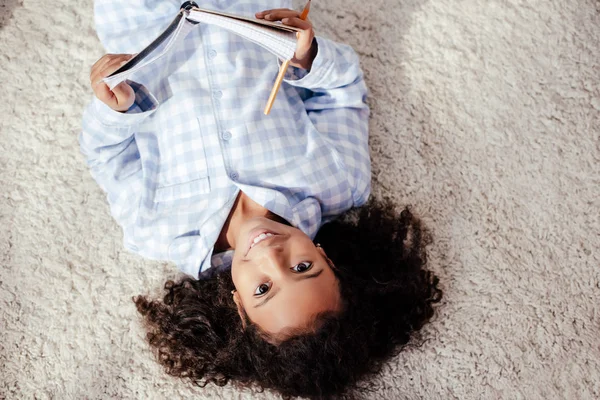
[485, 118]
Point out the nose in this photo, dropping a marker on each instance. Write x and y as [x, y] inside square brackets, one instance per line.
[272, 258]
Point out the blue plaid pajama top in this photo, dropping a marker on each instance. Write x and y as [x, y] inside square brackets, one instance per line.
[173, 164]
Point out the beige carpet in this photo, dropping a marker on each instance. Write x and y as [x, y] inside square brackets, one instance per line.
[485, 117]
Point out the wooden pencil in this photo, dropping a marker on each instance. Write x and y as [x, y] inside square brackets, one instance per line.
[305, 11]
[283, 68]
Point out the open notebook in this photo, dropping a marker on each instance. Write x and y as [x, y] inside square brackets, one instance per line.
[279, 39]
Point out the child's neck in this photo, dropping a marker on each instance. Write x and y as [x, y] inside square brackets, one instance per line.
[243, 208]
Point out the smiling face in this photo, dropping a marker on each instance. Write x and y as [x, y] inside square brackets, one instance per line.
[282, 279]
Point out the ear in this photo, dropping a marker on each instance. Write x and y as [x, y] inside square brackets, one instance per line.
[240, 308]
[320, 250]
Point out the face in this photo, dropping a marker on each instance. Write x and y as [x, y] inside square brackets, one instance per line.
[282, 279]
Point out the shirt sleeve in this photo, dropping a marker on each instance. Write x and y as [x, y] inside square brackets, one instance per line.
[108, 144]
[334, 95]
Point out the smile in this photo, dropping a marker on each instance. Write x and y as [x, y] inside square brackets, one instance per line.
[259, 237]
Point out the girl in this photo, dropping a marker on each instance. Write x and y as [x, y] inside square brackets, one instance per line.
[197, 175]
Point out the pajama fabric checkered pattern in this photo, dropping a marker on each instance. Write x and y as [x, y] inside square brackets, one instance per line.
[174, 163]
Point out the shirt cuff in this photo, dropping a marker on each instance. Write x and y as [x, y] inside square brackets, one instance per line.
[320, 69]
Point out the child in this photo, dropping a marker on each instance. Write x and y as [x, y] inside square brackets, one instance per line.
[196, 174]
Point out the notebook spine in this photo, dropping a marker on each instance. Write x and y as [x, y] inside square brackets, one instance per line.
[151, 47]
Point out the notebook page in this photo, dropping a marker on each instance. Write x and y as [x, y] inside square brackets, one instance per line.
[253, 20]
[279, 42]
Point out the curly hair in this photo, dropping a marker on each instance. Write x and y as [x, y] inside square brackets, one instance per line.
[388, 294]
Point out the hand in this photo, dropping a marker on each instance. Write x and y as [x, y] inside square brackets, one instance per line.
[306, 48]
[122, 96]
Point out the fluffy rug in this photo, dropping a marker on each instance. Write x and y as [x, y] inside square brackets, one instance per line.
[485, 118]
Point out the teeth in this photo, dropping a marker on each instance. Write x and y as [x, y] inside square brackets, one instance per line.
[260, 237]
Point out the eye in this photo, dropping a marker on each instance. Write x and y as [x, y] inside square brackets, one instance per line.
[262, 289]
[302, 267]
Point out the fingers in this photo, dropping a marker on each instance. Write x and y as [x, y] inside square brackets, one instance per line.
[124, 96]
[304, 54]
[291, 18]
[121, 97]
[102, 92]
[98, 64]
[305, 36]
[297, 22]
[287, 17]
[108, 64]
[261, 14]
[277, 14]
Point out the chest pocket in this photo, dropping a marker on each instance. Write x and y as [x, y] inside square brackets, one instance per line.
[183, 174]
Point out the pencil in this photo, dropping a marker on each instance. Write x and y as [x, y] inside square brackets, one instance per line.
[283, 68]
[305, 11]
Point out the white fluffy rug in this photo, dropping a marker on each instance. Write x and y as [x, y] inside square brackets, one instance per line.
[485, 117]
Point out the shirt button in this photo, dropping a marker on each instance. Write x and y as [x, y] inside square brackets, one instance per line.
[226, 135]
[234, 176]
[217, 94]
[212, 54]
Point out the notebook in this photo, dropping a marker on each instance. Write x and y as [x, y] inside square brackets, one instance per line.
[275, 37]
